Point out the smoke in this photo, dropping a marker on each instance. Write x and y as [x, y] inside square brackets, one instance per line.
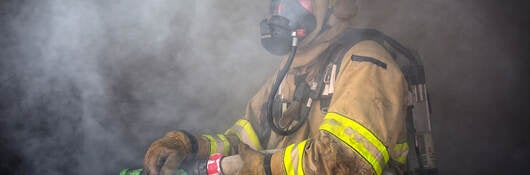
[91, 83]
[86, 86]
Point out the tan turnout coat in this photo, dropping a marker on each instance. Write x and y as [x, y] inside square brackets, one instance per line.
[362, 130]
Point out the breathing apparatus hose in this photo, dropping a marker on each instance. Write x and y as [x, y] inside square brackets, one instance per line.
[274, 90]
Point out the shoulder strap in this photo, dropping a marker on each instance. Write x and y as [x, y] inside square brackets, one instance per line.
[408, 60]
[334, 55]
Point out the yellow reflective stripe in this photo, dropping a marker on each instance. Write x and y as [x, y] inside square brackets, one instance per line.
[287, 160]
[362, 130]
[213, 144]
[288, 157]
[301, 148]
[401, 150]
[336, 124]
[226, 143]
[249, 131]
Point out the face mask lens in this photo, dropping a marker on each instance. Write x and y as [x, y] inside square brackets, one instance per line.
[307, 4]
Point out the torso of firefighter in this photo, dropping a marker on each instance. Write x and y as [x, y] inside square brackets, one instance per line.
[356, 125]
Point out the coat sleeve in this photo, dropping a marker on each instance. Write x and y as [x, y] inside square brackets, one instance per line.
[364, 120]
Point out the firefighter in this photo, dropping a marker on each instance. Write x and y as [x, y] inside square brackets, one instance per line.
[336, 111]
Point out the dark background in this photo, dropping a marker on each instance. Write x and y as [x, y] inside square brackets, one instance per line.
[85, 86]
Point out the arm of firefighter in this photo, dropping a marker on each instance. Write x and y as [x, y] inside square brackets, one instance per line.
[227, 143]
[249, 129]
[365, 117]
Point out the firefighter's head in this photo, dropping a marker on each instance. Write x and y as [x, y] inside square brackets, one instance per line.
[308, 18]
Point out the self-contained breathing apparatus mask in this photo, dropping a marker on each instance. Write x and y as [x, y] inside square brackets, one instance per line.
[286, 17]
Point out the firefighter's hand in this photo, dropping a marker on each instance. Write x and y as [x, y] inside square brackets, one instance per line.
[253, 161]
[165, 155]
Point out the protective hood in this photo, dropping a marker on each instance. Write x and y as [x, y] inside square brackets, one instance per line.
[340, 17]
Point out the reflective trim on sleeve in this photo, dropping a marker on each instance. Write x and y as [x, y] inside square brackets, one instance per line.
[293, 158]
[213, 144]
[244, 131]
[401, 151]
[357, 137]
[219, 144]
[226, 143]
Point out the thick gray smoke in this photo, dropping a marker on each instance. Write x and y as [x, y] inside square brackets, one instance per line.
[87, 85]
[97, 81]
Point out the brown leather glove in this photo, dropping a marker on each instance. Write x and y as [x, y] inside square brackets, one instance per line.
[165, 155]
[253, 161]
